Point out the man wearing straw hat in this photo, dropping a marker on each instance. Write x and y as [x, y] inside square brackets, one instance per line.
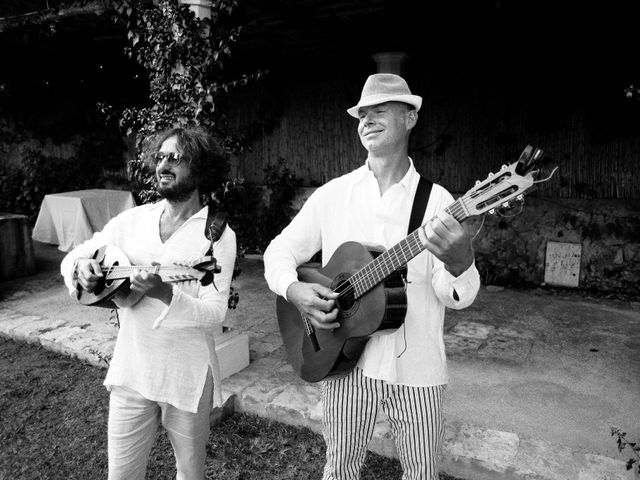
[401, 372]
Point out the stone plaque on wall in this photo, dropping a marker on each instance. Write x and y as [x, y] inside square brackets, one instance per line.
[562, 264]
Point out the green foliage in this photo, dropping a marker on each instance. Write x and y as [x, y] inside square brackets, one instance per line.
[282, 185]
[184, 58]
[257, 215]
[10, 179]
[623, 443]
[25, 185]
[242, 201]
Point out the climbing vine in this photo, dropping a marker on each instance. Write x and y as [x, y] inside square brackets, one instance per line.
[183, 56]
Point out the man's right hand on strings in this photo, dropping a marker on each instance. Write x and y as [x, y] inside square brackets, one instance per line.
[316, 303]
[88, 272]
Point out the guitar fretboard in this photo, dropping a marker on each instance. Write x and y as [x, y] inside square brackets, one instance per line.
[397, 256]
[171, 274]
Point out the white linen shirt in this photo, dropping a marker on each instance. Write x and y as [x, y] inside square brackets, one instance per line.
[350, 208]
[164, 352]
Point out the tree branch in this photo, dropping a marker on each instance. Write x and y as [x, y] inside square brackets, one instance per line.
[50, 15]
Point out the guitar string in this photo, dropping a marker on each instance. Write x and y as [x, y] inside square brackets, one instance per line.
[363, 278]
[121, 269]
[146, 269]
[384, 264]
[381, 266]
[372, 273]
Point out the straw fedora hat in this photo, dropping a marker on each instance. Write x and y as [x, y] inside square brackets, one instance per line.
[385, 87]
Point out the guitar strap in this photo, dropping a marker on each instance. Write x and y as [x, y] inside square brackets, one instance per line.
[419, 203]
[213, 228]
[215, 225]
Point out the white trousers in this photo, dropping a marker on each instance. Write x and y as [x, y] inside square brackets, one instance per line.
[132, 427]
[350, 408]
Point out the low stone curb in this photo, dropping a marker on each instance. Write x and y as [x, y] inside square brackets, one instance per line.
[269, 388]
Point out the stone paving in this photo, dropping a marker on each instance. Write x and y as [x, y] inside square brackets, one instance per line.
[537, 380]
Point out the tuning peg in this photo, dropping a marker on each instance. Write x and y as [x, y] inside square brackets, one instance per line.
[478, 182]
[506, 205]
[492, 211]
[504, 167]
[526, 153]
[490, 175]
[537, 154]
[520, 198]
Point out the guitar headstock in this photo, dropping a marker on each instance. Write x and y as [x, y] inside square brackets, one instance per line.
[201, 270]
[500, 189]
[206, 264]
[179, 273]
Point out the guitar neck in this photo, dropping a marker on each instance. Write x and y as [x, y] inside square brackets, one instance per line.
[376, 271]
[168, 274]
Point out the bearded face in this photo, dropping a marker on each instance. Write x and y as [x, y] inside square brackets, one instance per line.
[174, 176]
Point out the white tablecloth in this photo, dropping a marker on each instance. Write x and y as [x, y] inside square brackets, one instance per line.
[70, 218]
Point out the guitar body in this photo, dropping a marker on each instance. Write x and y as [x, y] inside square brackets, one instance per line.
[382, 307]
[114, 290]
[108, 292]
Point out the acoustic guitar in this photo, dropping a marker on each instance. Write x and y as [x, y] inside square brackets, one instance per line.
[113, 290]
[369, 283]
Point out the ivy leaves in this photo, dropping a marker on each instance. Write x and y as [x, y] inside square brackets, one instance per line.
[184, 58]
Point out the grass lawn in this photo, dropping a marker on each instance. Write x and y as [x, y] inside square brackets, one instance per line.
[54, 417]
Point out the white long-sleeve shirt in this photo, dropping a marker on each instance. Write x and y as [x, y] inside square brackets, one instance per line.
[350, 208]
[164, 352]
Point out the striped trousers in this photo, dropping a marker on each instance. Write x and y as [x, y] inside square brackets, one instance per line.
[350, 408]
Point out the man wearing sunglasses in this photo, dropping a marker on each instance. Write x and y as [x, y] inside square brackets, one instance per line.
[164, 367]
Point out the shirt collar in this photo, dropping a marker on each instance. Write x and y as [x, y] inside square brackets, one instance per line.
[409, 177]
[364, 172]
[202, 213]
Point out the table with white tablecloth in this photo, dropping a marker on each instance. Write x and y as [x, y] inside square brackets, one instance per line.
[69, 218]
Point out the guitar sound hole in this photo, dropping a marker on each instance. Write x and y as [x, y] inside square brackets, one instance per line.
[109, 282]
[346, 300]
[99, 287]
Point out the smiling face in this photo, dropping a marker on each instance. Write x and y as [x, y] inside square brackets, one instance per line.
[384, 128]
[175, 182]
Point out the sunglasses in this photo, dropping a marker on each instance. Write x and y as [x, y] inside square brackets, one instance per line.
[172, 158]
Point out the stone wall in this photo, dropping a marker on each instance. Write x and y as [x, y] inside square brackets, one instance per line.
[512, 250]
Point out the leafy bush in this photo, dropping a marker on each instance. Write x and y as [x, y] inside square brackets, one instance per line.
[257, 215]
[24, 185]
[282, 185]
